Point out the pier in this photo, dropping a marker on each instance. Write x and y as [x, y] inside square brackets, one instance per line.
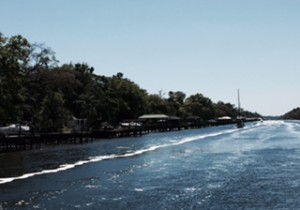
[22, 142]
[27, 142]
[13, 143]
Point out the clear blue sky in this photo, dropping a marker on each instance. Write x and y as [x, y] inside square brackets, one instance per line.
[211, 47]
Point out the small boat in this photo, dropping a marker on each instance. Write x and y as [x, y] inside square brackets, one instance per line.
[240, 123]
[239, 120]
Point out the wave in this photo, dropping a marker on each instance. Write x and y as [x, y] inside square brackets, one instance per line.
[65, 167]
[289, 125]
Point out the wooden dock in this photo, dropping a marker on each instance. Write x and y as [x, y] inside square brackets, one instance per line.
[15, 143]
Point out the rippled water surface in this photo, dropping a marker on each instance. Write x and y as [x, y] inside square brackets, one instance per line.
[257, 167]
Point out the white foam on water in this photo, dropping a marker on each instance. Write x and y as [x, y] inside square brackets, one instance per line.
[65, 167]
[293, 127]
[273, 122]
[91, 186]
[191, 189]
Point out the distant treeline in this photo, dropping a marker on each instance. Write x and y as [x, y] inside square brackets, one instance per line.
[292, 115]
[35, 88]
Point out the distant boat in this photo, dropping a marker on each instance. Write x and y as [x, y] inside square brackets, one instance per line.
[240, 123]
[239, 120]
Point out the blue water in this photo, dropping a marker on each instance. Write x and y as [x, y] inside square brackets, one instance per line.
[257, 167]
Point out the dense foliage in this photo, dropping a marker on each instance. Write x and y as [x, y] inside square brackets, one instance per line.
[34, 88]
[292, 115]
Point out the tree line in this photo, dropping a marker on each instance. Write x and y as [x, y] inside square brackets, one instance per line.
[294, 114]
[34, 87]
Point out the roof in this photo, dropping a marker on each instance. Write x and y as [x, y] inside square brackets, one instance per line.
[173, 118]
[154, 116]
[224, 118]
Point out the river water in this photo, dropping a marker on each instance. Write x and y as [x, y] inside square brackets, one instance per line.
[257, 167]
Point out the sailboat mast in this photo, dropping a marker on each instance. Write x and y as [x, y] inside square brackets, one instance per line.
[239, 120]
[239, 103]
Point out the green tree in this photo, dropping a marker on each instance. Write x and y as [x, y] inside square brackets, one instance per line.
[175, 103]
[42, 56]
[199, 105]
[292, 115]
[34, 87]
[225, 109]
[53, 113]
[127, 99]
[14, 59]
[156, 104]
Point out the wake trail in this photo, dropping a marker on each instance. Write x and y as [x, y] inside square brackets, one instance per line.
[65, 167]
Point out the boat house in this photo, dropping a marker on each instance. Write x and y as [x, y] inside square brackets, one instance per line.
[160, 122]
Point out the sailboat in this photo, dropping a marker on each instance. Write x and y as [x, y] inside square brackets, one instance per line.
[239, 120]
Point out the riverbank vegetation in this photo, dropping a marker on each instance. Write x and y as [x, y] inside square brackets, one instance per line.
[292, 115]
[34, 87]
